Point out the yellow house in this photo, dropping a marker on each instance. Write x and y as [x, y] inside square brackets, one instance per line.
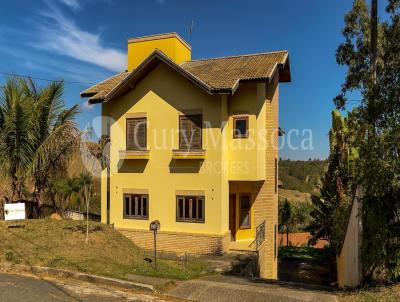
[193, 144]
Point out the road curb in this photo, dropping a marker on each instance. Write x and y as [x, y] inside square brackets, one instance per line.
[82, 277]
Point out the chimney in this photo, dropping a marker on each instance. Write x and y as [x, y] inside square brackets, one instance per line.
[172, 45]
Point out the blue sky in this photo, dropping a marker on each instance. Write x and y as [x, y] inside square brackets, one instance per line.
[84, 41]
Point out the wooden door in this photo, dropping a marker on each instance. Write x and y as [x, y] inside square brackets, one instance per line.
[232, 215]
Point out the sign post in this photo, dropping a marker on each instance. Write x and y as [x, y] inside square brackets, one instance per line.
[155, 226]
[14, 212]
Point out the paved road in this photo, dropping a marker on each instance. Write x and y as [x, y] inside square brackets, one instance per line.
[16, 288]
[231, 289]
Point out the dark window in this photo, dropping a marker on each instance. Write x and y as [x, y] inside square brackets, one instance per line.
[190, 128]
[136, 134]
[136, 206]
[245, 204]
[190, 208]
[240, 127]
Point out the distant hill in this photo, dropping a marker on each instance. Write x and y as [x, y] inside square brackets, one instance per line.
[294, 196]
[303, 176]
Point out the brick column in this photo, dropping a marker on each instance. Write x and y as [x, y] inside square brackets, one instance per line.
[266, 200]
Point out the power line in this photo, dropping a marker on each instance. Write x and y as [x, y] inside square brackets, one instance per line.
[44, 79]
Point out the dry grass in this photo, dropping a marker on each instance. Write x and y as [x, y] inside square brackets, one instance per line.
[373, 294]
[294, 195]
[61, 244]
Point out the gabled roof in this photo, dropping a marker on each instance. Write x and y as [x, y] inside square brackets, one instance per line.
[226, 72]
[216, 75]
[101, 89]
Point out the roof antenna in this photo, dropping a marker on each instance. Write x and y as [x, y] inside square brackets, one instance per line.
[191, 26]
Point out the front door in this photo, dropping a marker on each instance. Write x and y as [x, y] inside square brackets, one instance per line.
[232, 215]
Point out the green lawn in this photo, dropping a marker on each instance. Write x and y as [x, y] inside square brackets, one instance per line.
[309, 253]
[61, 244]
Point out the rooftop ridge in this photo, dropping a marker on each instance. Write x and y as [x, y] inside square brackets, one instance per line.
[238, 56]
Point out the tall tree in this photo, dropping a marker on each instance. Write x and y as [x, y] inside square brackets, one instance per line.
[331, 208]
[16, 135]
[287, 218]
[87, 185]
[379, 139]
[38, 134]
[56, 136]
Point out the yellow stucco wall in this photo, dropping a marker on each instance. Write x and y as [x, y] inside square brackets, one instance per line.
[172, 46]
[230, 165]
[161, 175]
[247, 155]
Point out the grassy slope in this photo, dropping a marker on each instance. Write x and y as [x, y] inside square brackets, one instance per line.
[303, 176]
[372, 294]
[60, 244]
[294, 195]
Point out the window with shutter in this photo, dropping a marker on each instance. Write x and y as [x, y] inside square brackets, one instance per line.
[190, 131]
[136, 134]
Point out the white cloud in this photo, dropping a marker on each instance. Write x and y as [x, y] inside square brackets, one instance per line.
[85, 105]
[74, 4]
[60, 34]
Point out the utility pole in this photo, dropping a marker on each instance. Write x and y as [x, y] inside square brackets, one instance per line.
[374, 37]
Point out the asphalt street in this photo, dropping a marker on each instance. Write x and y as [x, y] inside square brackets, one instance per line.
[34, 289]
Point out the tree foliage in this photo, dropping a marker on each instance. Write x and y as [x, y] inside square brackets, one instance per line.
[377, 124]
[304, 176]
[37, 135]
[331, 207]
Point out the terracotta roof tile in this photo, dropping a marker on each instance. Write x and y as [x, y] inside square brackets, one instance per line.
[225, 72]
[101, 89]
[218, 73]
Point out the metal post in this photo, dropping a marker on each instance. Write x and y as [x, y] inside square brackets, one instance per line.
[155, 249]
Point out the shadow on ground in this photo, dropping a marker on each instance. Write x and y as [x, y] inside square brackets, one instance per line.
[305, 271]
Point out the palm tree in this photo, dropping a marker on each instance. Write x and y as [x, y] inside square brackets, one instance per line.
[55, 132]
[62, 190]
[16, 135]
[37, 134]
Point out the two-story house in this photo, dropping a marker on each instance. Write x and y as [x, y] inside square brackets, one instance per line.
[194, 145]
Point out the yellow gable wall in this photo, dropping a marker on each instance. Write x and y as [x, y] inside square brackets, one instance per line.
[162, 95]
[172, 47]
[247, 155]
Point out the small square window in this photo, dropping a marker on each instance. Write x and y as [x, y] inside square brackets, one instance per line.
[241, 127]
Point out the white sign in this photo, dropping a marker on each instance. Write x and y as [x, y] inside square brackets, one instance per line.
[14, 211]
